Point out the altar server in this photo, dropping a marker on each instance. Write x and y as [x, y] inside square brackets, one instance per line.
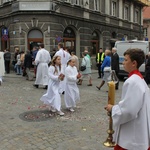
[41, 61]
[131, 116]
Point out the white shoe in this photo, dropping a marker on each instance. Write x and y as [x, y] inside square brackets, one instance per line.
[53, 110]
[71, 109]
[60, 113]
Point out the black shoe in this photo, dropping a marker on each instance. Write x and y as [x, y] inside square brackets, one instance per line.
[35, 85]
[45, 87]
[63, 92]
[99, 77]
[116, 88]
[98, 87]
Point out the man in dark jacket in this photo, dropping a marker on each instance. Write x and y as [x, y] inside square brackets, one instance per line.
[28, 65]
[7, 58]
[115, 63]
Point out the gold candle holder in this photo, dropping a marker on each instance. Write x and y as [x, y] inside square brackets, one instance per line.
[111, 100]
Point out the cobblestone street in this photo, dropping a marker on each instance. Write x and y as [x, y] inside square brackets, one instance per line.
[26, 124]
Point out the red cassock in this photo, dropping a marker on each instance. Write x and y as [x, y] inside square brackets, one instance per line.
[117, 147]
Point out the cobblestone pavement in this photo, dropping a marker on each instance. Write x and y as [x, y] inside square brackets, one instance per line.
[22, 126]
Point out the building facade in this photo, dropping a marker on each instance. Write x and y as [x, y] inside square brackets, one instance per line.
[79, 24]
[146, 23]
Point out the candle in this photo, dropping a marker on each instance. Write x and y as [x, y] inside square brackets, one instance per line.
[111, 93]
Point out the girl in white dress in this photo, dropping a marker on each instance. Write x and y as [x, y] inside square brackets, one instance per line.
[71, 89]
[52, 97]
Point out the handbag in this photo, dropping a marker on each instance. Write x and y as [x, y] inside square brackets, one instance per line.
[82, 68]
[107, 69]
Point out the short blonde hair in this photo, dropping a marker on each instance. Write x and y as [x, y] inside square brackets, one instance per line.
[107, 52]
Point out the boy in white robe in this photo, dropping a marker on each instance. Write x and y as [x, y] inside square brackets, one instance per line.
[131, 116]
[52, 97]
[71, 89]
[64, 59]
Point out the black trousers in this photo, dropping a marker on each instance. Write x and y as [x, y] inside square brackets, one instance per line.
[99, 70]
[117, 85]
[7, 66]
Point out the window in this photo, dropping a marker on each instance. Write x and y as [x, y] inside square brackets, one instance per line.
[145, 32]
[114, 11]
[81, 2]
[96, 5]
[76, 2]
[126, 12]
[136, 18]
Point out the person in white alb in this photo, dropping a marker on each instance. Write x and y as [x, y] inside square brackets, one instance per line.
[52, 97]
[2, 67]
[131, 116]
[71, 89]
[64, 59]
[41, 61]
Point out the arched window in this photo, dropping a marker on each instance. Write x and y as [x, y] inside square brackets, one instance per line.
[34, 38]
[69, 38]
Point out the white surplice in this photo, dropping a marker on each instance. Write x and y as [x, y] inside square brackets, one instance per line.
[131, 117]
[42, 60]
[71, 89]
[52, 97]
[2, 67]
[65, 56]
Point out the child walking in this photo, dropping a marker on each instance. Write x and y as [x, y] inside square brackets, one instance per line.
[52, 97]
[71, 89]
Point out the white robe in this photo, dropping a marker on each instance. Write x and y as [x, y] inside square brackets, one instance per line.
[52, 97]
[71, 89]
[42, 60]
[64, 59]
[131, 117]
[2, 67]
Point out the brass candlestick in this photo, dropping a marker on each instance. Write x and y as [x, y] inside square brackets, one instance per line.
[111, 100]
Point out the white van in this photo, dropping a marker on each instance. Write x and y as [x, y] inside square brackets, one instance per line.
[122, 46]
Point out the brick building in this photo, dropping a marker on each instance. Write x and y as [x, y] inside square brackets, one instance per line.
[79, 24]
[146, 23]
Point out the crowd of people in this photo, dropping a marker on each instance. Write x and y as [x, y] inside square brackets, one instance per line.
[60, 75]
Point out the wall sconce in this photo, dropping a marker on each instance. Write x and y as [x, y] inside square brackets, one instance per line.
[48, 30]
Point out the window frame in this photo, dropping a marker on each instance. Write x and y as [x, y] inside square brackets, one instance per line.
[145, 32]
[97, 7]
[126, 13]
[114, 12]
[136, 16]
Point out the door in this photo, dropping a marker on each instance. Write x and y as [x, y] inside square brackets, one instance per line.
[70, 43]
[34, 42]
